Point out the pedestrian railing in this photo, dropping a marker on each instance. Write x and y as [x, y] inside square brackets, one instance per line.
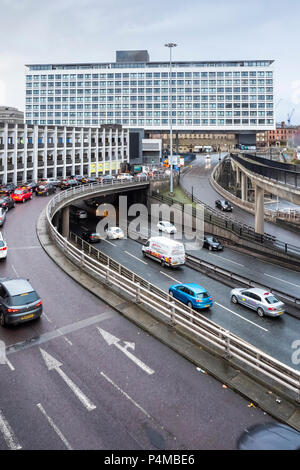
[116, 276]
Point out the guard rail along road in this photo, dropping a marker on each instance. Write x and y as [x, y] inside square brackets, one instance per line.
[152, 299]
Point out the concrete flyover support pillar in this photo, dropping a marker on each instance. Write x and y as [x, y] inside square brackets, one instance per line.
[259, 210]
[238, 176]
[244, 189]
[65, 222]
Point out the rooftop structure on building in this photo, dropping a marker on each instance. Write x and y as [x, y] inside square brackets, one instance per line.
[11, 115]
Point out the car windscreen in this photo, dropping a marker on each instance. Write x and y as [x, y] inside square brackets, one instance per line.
[18, 191]
[1, 244]
[203, 295]
[23, 299]
[271, 299]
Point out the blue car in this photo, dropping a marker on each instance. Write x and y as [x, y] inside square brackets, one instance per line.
[192, 295]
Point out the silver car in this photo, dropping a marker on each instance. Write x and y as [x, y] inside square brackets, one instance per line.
[2, 216]
[263, 302]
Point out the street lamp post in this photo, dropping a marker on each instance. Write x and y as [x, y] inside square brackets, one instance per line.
[170, 45]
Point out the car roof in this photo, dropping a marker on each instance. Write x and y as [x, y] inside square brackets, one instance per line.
[194, 286]
[257, 290]
[17, 286]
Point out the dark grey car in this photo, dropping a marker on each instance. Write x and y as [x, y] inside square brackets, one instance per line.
[19, 302]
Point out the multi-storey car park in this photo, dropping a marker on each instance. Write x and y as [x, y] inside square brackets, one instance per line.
[226, 96]
[29, 152]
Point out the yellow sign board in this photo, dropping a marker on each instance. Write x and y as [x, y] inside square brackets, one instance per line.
[104, 167]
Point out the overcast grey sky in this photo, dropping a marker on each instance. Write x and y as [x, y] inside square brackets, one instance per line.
[51, 31]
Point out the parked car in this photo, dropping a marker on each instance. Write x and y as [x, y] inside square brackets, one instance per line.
[125, 177]
[108, 179]
[192, 295]
[142, 176]
[67, 184]
[81, 214]
[7, 188]
[114, 233]
[45, 189]
[3, 247]
[21, 195]
[264, 303]
[164, 250]
[223, 205]
[19, 302]
[165, 226]
[54, 181]
[6, 202]
[31, 186]
[91, 237]
[2, 216]
[212, 243]
[269, 436]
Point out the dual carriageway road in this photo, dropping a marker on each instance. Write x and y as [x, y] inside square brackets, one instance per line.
[64, 387]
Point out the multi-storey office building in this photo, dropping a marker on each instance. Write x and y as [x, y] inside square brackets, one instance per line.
[221, 96]
[29, 152]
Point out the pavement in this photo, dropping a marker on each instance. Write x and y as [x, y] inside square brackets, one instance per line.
[266, 397]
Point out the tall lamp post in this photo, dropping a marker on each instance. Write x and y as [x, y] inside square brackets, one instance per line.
[170, 45]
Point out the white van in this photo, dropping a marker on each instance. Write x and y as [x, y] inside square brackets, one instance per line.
[164, 250]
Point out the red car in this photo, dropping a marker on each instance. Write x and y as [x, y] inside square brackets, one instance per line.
[21, 195]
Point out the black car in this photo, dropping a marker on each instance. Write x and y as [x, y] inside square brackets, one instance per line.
[32, 185]
[19, 302]
[7, 188]
[6, 202]
[91, 237]
[223, 205]
[69, 184]
[212, 243]
[45, 189]
[271, 436]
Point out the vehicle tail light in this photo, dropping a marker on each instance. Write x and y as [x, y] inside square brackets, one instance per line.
[266, 293]
[3, 248]
[272, 309]
[39, 303]
[12, 309]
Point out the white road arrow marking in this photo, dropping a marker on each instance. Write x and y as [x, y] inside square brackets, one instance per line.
[113, 340]
[8, 434]
[53, 363]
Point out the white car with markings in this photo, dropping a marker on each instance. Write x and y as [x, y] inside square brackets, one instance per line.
[3, 247]
[115, 233]
[166, 227]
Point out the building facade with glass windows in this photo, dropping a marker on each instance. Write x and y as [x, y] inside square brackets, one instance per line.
[229, 96]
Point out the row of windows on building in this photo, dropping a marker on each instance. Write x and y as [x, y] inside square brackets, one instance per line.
[142, 83]
[150, 122]
[173, 97]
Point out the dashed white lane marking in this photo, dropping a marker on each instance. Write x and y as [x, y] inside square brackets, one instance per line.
[47, 318]
[8, 433]
[226, 259]
[127, 252]
[9, 364]
[54, 427]
[282, 280]
[126, 395]
[15, 271]
[234, 313]
[173, 278]
[111, 243]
